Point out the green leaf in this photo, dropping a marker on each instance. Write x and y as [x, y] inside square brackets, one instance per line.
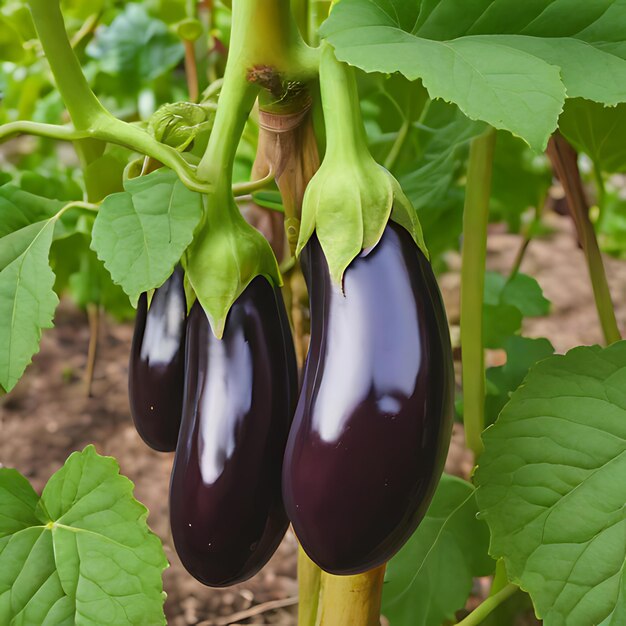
[598, 131]
[431, 577]
[508, 88]
[140, 234]
[521, 354]
[136, 48]
[226, 254]
[524, 293]
[20, 208]
[27, 300]
[83, 553]
[508, 64]
[17, 502]
[500, 322]
[552, 485]
[443, 136]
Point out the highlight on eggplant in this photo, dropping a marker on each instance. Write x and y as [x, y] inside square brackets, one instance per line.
[373, 421]
[226, 509]
[157, 364]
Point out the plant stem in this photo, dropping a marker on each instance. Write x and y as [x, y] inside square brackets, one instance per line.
[351, 599]
[398, 144]
[52, 131]
[82, 104]
[264, 35]
[309, 577]
[475, 219]
[484, 609]
[191, 70]
[93, 315]
[565, 163]
[345, 140]
[500, 578]
[601, 189]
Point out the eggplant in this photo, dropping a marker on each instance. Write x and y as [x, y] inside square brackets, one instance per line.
[373, 421]
[157, 364]
[226, 509]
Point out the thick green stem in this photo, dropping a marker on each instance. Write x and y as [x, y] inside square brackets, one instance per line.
[265, 40]
[340, 101]
[351, 599]
[234, 105]
[491, 603]
[475, 219]
[82, 104]
[309, 576]
[565, 162]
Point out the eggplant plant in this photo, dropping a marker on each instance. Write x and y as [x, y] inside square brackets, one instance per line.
[291, 177]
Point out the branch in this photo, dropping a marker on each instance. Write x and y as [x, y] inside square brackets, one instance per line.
[484, 609]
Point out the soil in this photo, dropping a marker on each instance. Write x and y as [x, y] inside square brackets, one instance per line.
[48, 416]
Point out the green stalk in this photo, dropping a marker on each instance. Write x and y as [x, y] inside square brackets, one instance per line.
[264, 35]
[234, 105]
[351, 599]
[491, 603]
[309, 577]
[601, 189]
[83, 106]
[52, 131]
[347, 141]
[475, 219]
[565, 163]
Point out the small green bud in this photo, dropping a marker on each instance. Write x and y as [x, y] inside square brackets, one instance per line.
[179, 123]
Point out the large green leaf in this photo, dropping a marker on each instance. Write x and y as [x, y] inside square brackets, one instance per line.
[506, 63]
[141, 233]
[442, 138]
[27, 300]
[431, 577]
[598, 131]
[552, 486]
[82, 554]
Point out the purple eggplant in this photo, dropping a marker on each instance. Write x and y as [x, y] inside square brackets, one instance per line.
[226, 509]
[157, 364]
[373, 421]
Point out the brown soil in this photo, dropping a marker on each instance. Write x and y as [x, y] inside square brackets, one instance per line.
[48, 416]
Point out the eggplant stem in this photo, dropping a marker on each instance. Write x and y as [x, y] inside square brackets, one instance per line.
[565, 163]
[351, 599]
[309, 578]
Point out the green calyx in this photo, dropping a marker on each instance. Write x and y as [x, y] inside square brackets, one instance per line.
[351, 198]
[225, 256]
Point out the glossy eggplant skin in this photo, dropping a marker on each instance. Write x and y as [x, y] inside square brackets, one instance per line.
[374, 417]
[226, 509]
[157, 364]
